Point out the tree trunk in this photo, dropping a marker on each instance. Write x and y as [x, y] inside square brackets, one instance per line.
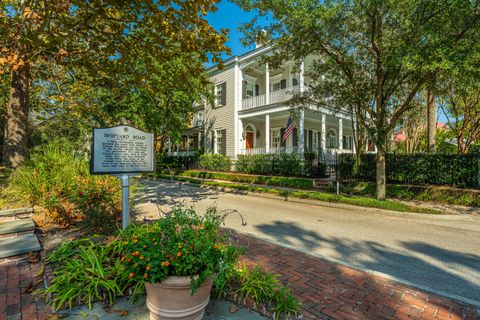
[431, 122]
[15, 144]
[381, 174]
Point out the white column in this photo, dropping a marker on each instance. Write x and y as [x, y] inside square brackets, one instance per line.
[301, 148]
[323, 134]
[267, 133]
[340, 134]
[199, 141]
[241, 142]
[237, 107]
[289, 76]
[267, 84]
[215, 149]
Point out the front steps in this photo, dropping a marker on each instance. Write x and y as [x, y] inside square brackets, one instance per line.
[17, 235]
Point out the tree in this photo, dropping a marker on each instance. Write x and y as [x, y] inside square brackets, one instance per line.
[97, 36]
[413, 126]
[380, 53]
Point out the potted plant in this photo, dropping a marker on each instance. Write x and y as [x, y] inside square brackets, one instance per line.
[177, 258]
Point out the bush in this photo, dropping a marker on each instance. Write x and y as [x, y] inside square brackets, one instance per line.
[59, 181]
[283, 164]
[435, 169]
[214, 162]
[291, 182]
[166, 163]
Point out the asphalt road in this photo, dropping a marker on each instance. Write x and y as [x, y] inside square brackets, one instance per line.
[435, 252]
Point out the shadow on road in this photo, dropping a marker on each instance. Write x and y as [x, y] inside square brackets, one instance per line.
[418, 263]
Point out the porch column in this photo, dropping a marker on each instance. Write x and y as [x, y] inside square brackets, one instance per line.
[301, 148]
[188, 143]
[323, 134]
[169, 142]
[340, 134]
[215, 149]
[267, 133]
[267, 84]
[199, 141]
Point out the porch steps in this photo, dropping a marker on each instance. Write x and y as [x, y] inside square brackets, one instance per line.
[16, 211]
[17, 237]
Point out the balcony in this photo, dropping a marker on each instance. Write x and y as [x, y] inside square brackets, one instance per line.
[274, 97]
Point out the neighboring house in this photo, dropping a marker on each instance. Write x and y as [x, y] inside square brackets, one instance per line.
[249, 115]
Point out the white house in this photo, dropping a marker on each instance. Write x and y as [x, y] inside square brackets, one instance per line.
[249, 114]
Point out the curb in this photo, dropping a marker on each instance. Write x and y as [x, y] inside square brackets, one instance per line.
[452, 296]
[319, 203]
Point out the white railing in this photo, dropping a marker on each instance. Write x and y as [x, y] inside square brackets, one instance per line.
[275, 97]
[254, 102]
[253, 151]
[284, 94]
[290, 150]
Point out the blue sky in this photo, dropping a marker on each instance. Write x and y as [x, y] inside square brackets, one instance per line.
[229, 15]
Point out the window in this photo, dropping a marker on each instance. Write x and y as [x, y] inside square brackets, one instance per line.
[220, 94]
[220, 140]
[275, 138]
[198, 119]
[331, 139]
[252, 90]
[347, 142]
[370, 145]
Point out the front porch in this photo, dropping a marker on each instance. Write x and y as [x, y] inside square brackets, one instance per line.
[316, 131]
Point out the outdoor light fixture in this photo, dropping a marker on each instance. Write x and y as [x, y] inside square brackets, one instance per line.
[258, 134]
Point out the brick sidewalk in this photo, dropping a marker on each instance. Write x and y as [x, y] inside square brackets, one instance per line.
[19, 277]
[332, 291]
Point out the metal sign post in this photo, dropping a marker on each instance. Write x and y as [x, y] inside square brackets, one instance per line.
[123, 152]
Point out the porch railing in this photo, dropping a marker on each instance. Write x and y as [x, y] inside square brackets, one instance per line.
[182, 153]
[291, 150]
[275, 97]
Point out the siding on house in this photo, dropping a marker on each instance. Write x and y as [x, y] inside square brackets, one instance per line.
[222, 118]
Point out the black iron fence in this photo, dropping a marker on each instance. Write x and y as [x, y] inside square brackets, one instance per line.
[421, 168]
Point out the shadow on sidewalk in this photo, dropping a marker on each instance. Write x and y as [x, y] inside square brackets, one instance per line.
[419, 263]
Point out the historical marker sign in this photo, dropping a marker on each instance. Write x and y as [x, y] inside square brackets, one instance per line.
[122, 150]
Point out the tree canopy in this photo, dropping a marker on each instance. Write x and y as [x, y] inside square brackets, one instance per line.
[371, 56]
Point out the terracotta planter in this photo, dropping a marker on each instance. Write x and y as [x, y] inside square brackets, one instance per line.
[172, 299]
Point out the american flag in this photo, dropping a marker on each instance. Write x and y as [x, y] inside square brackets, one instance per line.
[288, 129]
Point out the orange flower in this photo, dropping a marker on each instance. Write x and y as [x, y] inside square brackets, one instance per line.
[148, 267]
[131, 275]
[165, 263]
[145, 275]
[129, 260]
[135, 240]
[217, 246]
[179, 254]
[180, 246]
[136, 253]
[141, 257]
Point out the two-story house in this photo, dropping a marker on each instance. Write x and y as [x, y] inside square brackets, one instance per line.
[250, 113]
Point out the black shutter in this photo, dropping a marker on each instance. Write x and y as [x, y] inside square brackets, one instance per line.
[310, 141]
[319, 144]
[283, 84]
[212, 145]
[244, 89]
[295, 137]
[224, 94]
[294, 82]
[282, 143]
[257, 90]
[224, 142]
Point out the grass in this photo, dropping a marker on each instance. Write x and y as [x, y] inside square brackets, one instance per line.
[313, 195]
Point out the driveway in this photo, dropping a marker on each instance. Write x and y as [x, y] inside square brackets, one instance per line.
[429, 251]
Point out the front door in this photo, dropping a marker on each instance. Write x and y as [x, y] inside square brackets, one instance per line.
[249, 142]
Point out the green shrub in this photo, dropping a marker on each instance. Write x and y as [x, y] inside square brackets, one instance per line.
[85, 271]
[215, 162]
[59, 181]
[166, 163]
[282, 164]
[291, 182]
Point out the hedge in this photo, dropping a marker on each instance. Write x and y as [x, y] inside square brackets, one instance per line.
[282, 164]
[434, 169]
[215, 162]
[290, 182]
[164, 162]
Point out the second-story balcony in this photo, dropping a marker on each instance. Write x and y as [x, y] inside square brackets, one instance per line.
[278, 96]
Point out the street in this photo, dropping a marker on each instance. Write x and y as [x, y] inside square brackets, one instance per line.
[427, 250]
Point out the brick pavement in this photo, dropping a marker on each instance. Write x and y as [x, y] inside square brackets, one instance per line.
[19, 277]
[332, 291]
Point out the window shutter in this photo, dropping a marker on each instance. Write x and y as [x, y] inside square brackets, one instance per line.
[283, 84]
[295, 137]
[224, 94]
[244, 89]
[224, 142]
[310, 140]
[257, 89]
[319, 142]
[294, 82]
[282, 143]
[212, 143]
